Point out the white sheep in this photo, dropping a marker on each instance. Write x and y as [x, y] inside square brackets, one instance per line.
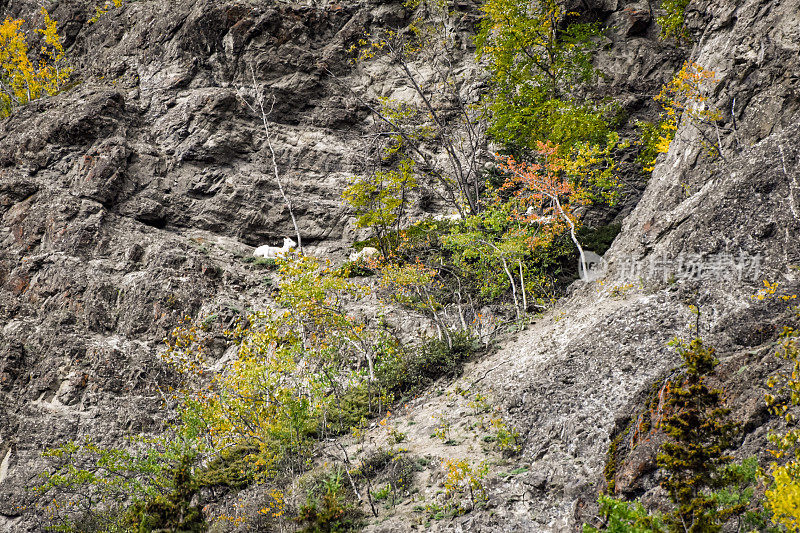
[366, 253]
[272, 252]
[449, 217]
[531, 212]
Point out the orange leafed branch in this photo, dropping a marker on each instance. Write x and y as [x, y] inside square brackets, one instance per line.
[546, 186]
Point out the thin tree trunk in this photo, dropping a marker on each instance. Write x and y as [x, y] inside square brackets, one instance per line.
[522, 284]
[259, 99]
[347, 470]
[584, 266]
[513, 286]
[508, 273]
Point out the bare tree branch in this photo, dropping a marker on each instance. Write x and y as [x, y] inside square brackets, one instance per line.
[257, 107]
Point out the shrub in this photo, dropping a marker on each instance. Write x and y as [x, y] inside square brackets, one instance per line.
[329, 507]
[626, 517]
[673, 22]
[436, 359]
[104, 8]
[356, 269]
[172, 512]
[783, 497]
[352, 408]
[20, 79]
[508, 440]
[463, 478]
[232, 468]
[654, 139]
[97, 488]
[413, 369]
[683, 99]
[398, 474]
[294, 368]
[267, 263]
[443, 429]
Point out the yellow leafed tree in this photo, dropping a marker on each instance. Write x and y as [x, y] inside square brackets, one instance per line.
[783, 498]
[22, 79]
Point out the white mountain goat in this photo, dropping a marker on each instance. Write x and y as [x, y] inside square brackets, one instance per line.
[366, 253]
[539, 219]
[272, 252]
[451, 217]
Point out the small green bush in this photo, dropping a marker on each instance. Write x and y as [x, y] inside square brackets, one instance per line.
[356, 269]
[399, 475]
[650, 134]
[353, 407]
[266, 263]
[436, 358]
[232, 468]
[673, 22]
[375, 462]
[598, 239]
[330, 506]
[415, 369]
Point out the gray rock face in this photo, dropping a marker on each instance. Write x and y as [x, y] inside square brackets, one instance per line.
[129, 201]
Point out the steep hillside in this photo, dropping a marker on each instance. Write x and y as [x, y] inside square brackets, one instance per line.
[132, 199]
[574, 380]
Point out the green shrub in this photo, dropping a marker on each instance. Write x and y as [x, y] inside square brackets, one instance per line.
[266, 263]
[383, 493]
[538, 58]
[356, 269]
[330, 506]
[650, 142]
[375, 462]
[414, 369]
[99, 489]
[380, 200]
[598, 239]
[232, 468]
[626, 517]
[353, 407]
[436, 359]
[673, 22]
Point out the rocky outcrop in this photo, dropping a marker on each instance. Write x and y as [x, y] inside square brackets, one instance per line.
[130, 200]
[576, 381]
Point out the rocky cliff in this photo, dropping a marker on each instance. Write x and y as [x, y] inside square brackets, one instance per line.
[131, 200]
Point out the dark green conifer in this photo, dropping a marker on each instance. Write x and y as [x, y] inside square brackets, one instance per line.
[702, 432]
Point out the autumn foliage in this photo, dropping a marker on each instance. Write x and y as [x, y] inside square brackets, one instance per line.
[783, 497]
[543, 186]
[553, 187]
[683, 99]
[24, 75]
